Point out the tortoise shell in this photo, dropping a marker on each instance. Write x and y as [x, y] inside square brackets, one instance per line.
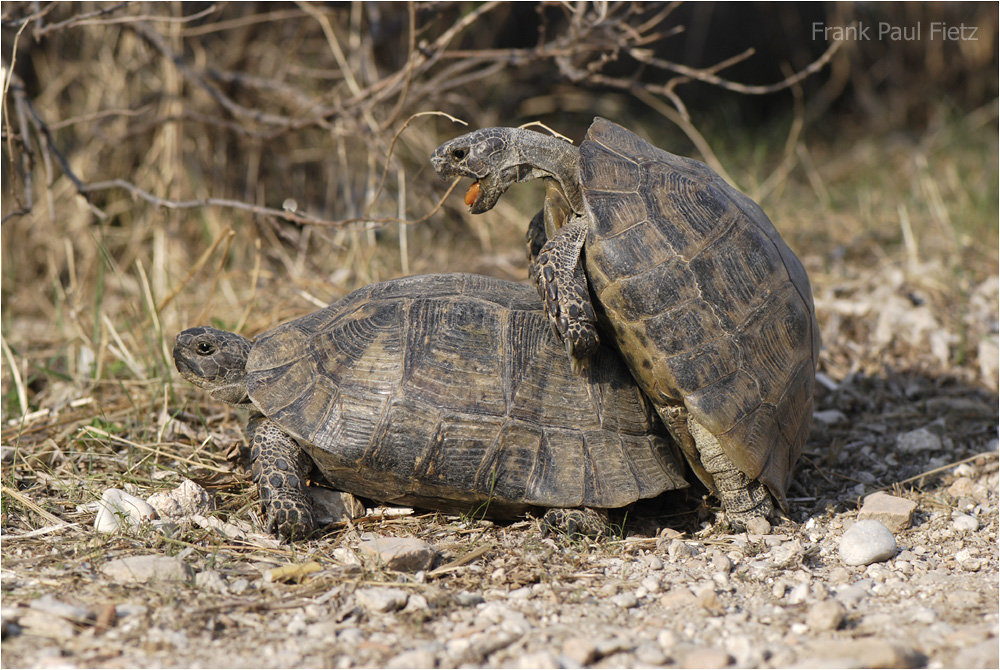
[707, 303]
[451, 392]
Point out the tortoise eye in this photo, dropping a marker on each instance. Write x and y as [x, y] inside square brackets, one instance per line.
[205, 348]
[458, 154]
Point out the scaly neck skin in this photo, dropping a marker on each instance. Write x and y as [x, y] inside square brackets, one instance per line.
[547, 157]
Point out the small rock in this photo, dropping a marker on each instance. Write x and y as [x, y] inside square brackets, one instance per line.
[852, 595]
[758, 525]
[467, 599]
[963, 598]
[654, 562]
[649, 653]
[118, 509]
[331, 506]
[49, 605]
[864, 653]
[210, 580]
[708, 600]
[721, 562]
[522, 593]
[42, 624]
[678, 550]
[415, 658]
[678, 596]
[918, 440]
[626, 600]
[581, 651]
[402, 554]
[381, 599]
[896, 513]
[239, 586]
[963, 487]
[826, 616]
[924, 615]
[798, 594]
[667, 639]
[707, 658]
[651, 584]
[188, 498]
[964, 522]
[143, 569]
[830, 416]
[867, 542]
[539, 660]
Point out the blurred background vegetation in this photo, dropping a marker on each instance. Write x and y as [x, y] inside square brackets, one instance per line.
[169, 164]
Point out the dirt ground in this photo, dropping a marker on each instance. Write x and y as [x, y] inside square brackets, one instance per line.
[896, 226]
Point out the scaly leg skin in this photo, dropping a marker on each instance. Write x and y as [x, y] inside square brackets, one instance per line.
[534, 239]
[742, 498]
[585, 521]
[280, 469]
[562, 285]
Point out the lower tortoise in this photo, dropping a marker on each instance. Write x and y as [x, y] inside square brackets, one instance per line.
[446, 392]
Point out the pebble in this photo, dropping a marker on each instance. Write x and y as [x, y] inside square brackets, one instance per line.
[758, 526]
[651, 584]
[539, 660]
[150, 568]
[964, 522]
[625, 600]
[654, 562]
[894, 512]
[650, 653]
[830, 416]
[210, 580]
[402, 554]
[864, 653]
[827, 615]
[415, 658]
[188, 498]
[722, 562]
[707, 658]
[852, 595]
[581, 651]
[331, 506]
[962, 487]
[381, 599]
[798, 594]
[468, 599]
[918, 440]
[867, 542]
[678, 550]
[118, 509]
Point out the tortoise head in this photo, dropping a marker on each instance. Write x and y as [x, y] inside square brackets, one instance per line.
[497, 158]
[216, 361]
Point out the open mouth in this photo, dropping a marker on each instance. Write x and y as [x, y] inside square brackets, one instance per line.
[472, 195]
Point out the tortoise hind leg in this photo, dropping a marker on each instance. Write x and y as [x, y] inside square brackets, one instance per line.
[742, 498]
[574, 522]
[280, 469]
[562, 285]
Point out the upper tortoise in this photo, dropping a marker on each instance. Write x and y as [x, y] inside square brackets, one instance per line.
[440, 391]
[710, 308]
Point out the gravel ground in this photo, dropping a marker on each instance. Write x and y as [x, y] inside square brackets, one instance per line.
[678, 591]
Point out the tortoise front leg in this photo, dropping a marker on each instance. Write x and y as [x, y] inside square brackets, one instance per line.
[562, 284]
[280, 469]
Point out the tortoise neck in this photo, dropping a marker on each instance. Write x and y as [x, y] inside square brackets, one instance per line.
[551, 158]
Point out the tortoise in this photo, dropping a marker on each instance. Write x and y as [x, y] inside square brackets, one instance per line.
[447, 392]
[686, 275]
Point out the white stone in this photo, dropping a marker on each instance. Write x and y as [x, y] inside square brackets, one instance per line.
[918, 440]
[118, 509]
[381, 599]
[964, 522]
[867, 542]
